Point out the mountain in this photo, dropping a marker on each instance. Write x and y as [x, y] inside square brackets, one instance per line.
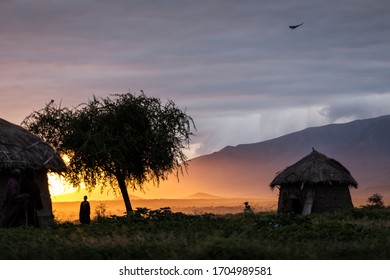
[362, 146]
[201, 195]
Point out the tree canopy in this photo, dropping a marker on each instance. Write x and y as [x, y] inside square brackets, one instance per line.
[122, 140]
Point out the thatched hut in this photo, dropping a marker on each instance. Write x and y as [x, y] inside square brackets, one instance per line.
[20, 149]
[314, 184]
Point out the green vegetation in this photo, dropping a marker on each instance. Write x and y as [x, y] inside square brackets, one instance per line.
[163, 234]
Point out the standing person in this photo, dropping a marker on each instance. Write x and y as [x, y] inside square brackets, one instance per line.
[34, 202]
[14, 207]
[85, 211]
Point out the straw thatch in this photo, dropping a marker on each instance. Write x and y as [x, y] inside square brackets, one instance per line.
[21, 149]
[314, 184]
[313, 169]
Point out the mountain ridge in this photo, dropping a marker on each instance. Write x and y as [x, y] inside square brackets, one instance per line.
[362, 146]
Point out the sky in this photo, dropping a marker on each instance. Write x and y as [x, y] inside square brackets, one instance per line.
[234, 66]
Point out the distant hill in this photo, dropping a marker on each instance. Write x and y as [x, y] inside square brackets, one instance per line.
[201, 195]
[362, 146]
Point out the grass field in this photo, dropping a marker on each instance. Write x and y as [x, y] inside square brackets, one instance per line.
[162, 234]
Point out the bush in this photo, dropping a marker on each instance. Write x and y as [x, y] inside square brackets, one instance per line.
[100, 211]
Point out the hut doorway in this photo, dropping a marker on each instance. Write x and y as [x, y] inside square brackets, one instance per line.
[296, 206]
[292, 205]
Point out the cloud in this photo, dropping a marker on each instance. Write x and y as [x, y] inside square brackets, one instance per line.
[347, 109]
[237, 68]
[220, 131]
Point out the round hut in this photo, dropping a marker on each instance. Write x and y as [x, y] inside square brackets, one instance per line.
[22, 150]
[314, 184]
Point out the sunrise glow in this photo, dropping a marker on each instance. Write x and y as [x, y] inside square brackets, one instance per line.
[62, 191]
[57, 185]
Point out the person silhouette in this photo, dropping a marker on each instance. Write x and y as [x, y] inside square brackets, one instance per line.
[14, 207]
[248, 210]
[85, 211]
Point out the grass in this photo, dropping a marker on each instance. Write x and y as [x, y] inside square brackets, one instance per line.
[162, 234]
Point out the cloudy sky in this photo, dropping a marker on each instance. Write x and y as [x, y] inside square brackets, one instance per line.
[234, 66]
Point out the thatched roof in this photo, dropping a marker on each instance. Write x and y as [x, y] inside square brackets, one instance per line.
[21, 149]
[313, 169]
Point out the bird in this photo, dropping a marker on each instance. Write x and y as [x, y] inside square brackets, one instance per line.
[295, 26]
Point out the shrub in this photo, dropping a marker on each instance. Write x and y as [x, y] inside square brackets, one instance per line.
[100, 211]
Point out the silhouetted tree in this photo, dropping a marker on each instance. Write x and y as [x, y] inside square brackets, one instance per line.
[376, 201]
[124, 140]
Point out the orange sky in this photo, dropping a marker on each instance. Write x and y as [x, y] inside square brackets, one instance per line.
[62, 192]
[170, 189]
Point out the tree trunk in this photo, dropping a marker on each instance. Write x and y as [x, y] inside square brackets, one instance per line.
[125, 194]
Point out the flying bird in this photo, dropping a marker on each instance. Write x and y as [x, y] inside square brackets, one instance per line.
[295, 26]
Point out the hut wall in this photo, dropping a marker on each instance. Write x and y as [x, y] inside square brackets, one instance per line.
[331, 198]
[3, 191]
[45, 216]
[327, 198]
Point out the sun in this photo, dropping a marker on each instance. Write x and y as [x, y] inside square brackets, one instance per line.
[62, 191]
[58, 185]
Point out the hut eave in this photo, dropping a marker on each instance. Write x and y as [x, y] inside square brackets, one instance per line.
[314, 169]
[21, 149]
